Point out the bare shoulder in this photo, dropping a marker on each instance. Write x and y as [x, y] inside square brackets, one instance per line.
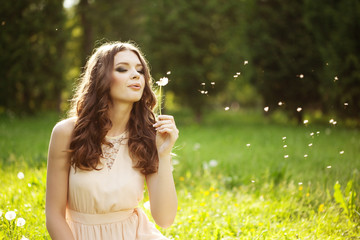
[64, 128]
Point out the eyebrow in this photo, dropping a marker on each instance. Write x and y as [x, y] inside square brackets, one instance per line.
[126, 63]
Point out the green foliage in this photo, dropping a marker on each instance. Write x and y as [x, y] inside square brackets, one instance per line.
[31, 45]
[250, 192]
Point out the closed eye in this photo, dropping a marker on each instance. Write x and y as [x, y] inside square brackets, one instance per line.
[120, 69]
[141, 71]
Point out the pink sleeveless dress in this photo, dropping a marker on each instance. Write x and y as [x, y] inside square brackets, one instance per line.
[103, 205]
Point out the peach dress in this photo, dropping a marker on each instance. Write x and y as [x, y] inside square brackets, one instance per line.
[102, 205]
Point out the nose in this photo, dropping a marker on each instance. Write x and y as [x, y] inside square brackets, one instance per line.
[135, 75]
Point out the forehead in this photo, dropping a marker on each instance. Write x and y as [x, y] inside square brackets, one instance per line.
[126, 56]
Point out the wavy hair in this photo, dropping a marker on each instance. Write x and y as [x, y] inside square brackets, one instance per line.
[91, 105]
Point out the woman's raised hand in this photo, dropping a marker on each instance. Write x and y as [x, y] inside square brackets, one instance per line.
[166, 134]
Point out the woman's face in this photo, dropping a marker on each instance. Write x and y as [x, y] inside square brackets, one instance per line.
[128, 80]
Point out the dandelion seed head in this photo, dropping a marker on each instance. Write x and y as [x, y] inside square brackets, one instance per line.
[331, 120]
[266, 109]
[301, 76]
[213, 163]
[346, 104]
[163, 81]
[280, 103]
[341, 152]
[328, 167]
[305, 155]
[246, 62]
[248, 145]
[286, 156]
[238, 73]
[310, 144]
[253, 181]
[300, 183]
[20, 222]
[10, 215]
[212, 83]
[312, 134]
[285, 146]
[235, 76]
[306, 121]
[318, 132]
[20, 175]
[336, 78]
[168, 73]
[203, 84]
[334, 122]
[299, 109]
[226, 108]
[283, 138]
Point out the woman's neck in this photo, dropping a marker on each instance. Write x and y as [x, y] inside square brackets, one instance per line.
[119, 115]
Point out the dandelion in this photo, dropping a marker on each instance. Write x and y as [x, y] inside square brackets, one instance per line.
[20, 222]
[29, 184]
[213, 163]
[168, 73]
[331, 120]
[283, 138]
[246, 62]
[20, 175]
[328, 167]
[286, 156]
[266, 109]
[248, 145]
[312, 134]
[301, 76]
[336, 78]
[235, 76]
[253, 181]
[285, 146]
[162, 82]
[10, 215]
[299, 109]
[212, 84]
[321, 207]
[310, 144]
[203, 84]
[226, 108]
[238, 73]
[182, 179]
[306, 121]
[300, 188]
[280, 103]
[341, 152]
[305, 155]
[147, 205]
[346, 104]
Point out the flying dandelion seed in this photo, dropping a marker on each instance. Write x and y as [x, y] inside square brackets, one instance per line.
[328, 167]
[305, 156]
[238, 73]
[285, 146]
[203, 84]
[310, 144]
[346, 104]
[341, 152]
[306, 121]
[300, 183]
[10, 215]
[168, 73]
[248, 145]
[20, 175]
[318, 132]
[301, 76]
[280, 103]
[266, 109]
[246, 62]
[227, 108]
[283, 138]
[336, 78]
[147, 205]
[253, 181]
[312, 134]
[286, 156]
[235, 76]
[299, 109]
[20, 222]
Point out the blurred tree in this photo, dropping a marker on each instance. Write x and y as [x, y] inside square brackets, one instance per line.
[336, 27]
[191, 39]
[283, 55]
[31, 61]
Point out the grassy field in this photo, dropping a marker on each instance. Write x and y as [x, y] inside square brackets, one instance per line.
[238, 176]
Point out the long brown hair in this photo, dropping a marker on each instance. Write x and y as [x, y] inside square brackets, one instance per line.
[91, 105]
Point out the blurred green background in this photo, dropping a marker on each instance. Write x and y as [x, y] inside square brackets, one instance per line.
[297, 59]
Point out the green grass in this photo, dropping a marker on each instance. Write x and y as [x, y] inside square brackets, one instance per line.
[253, 192]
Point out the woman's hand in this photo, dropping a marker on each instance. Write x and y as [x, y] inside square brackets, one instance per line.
[166, 134]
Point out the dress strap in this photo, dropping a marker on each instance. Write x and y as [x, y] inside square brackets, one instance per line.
[98, 218]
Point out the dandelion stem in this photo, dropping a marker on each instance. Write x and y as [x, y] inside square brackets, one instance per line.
[160, 100]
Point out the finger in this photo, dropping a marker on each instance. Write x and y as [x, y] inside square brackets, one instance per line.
[160, 123]
[166, 117]
[172, 126]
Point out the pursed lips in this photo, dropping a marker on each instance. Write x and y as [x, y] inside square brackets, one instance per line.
[136, 86]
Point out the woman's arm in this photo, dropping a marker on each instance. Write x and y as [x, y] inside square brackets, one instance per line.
[162, 192]
[57, 180]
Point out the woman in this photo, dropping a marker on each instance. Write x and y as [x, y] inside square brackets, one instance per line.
[100, 157]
